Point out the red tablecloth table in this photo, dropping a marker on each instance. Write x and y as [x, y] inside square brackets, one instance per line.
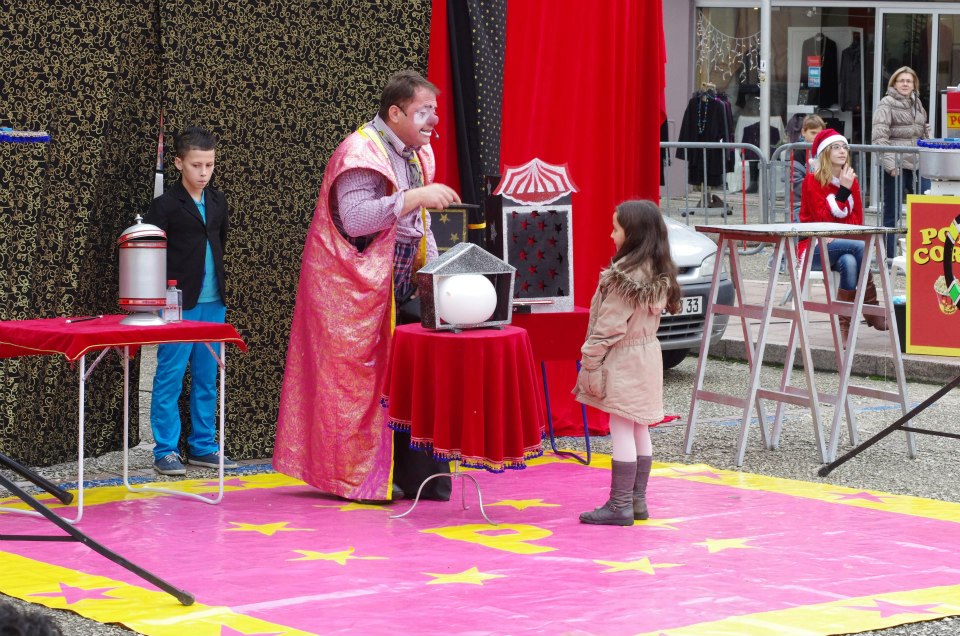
[74, 340]
[48, 336]
[471, 396]
[555, 335]
[558, 336]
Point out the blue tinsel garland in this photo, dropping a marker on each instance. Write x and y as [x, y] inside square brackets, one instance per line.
[947, 143]
[24, 136]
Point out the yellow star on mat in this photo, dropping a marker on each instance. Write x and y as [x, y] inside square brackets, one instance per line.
[523, 504]
[455, 237]
[340, 557]
[473, 576]
[718, 545]
[444, 218]
[268, 529]
[660, 523]
[640, 565]
[354, 505]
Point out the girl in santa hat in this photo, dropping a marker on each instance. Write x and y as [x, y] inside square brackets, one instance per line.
[831, 194]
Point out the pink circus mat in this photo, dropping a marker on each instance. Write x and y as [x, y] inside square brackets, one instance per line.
[725, 553]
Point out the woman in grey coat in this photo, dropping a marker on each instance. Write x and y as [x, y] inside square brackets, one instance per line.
[899, 120]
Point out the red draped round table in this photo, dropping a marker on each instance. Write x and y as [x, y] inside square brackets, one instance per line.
[471, 396]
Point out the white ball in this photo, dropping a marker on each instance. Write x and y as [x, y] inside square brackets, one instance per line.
[465, 299]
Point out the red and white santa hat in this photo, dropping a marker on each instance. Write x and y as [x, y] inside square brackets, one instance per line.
[826, 138]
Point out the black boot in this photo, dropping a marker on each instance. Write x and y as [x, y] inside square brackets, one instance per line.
[754, 186]
[618, 511]
[644, 462]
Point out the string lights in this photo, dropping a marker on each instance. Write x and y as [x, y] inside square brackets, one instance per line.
[717, 51]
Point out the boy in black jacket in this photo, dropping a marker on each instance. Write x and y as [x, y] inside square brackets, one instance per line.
[195, 218]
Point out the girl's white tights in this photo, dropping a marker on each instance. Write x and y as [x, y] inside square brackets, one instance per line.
[630, 439]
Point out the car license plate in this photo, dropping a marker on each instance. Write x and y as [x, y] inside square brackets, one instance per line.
[691, 306]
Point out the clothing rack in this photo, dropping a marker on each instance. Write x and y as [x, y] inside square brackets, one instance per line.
[708, 92]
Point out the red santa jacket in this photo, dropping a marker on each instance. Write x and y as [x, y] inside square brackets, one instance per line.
[818, 204]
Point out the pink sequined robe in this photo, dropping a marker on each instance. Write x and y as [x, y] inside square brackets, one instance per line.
[332, 430]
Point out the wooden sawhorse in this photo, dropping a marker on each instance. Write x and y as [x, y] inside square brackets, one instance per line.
[784, 237]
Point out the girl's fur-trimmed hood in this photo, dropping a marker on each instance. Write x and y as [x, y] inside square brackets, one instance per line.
[635, 286]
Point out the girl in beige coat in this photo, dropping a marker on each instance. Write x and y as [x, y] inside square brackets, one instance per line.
[621, 368]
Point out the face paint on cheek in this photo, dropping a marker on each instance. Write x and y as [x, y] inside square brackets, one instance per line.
[422, 117]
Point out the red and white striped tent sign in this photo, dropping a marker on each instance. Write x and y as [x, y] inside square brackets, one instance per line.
[536, 182]
[538, 234]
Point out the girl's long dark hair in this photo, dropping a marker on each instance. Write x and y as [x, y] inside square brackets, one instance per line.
[645, 242]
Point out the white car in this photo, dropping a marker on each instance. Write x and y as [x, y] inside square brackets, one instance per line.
[694, 255]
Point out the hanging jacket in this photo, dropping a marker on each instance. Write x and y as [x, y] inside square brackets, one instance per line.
[850, 71]
[826, 94]
[706, 118]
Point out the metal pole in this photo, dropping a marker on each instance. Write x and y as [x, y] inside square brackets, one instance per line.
[764, 84]
[765, 104]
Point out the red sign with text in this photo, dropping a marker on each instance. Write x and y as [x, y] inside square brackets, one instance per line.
[933, 322]
[953, 112]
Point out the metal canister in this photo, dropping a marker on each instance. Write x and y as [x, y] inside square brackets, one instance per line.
[143, 267]
[940, 159]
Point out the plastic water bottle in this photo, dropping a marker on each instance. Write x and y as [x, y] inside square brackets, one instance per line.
[173, 310]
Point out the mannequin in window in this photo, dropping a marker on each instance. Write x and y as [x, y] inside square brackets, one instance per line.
[819, 52]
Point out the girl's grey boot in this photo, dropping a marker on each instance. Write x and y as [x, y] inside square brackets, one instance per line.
[618, 511]
[644, 462]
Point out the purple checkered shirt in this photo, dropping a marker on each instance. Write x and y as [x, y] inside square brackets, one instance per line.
[361, 206]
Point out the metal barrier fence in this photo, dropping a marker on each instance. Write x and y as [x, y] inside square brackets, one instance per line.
[777, 197]
[706, 201]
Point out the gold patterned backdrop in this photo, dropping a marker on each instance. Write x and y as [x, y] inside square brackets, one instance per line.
[86, 73]
[281, 83]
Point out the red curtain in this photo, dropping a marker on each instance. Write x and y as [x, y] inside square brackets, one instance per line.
[583, 85]
[438, 72]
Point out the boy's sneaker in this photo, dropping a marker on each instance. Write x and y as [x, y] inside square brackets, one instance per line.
[170, 464]
[211, 460]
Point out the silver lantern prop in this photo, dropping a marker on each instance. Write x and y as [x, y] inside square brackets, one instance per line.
[465, 261]
[143, 273]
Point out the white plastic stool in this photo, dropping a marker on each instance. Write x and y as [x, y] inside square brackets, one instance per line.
[900, 262]
[817, 275]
